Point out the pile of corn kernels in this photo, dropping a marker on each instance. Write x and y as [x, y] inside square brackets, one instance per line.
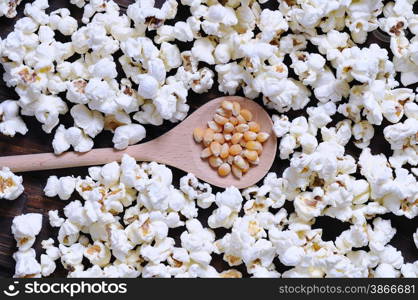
[232, 140]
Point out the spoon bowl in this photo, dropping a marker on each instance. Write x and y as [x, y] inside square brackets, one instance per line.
[175, 148]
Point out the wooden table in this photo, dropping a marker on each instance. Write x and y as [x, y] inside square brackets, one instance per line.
[37, 141]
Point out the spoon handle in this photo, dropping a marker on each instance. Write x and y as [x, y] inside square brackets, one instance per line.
[148, 151]
[49, 161]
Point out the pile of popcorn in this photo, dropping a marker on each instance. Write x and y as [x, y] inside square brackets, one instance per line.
[123, 222]
[232, 140]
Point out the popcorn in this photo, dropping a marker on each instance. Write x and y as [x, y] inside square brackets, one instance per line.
[98, 254]
[402, 138]
[68, 233]
[10, 122]
[25, 228]
[11, 186]
[71, 137]
[26, 264]
[91, 122]
[62, 21]
[229, 204]
[194, 190]
[8, 8]
[54, 219]
[170, 54]
[198, 242]
[72, 256]
[410, 270]
[203, 50]
[128, 135]
[386, 271]
[62, 187]
[363, 132]
[48, 266]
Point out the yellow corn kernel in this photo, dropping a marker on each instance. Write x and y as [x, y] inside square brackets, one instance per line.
[255, 162]
[205, 153]
[254, 126]
[224, 151]
[224, 169]
[227, 137]
[250, 155]
[198, 134]
[228, 127]
[236, 171]
[224, 113]
[227, 105]
[262, 137]
[255, 146]
[240, 162]
[208, 136]
[221, 120]
[250, 136]
[246, 114]
[235, 150]
[243, 143]
[219, 137]
[215, 148]
[236, 108]
[236, 138]
[215, 162]
[214, 126]
[233, 121]
[241, 120]
[242, 128]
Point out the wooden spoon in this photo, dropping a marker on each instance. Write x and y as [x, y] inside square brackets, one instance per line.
[176, 148]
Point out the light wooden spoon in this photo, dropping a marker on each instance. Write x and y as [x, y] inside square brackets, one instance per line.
[176, 148]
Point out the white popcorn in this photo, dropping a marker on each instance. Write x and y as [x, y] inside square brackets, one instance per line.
[410, 270]
[72, 256]
[386, 271]
[73, 136]
[62, 21]
[48, 266]
[363, 132]
[198, 241]
[229, 204]
[104, 68]
[98, 254]
[8, 8]
[51, 251]
[62, 187]
[193, 189]
[25, 228]
[402, 138]
[26, 264]
[119, 243]
[36, 10]
[203, 50]
[11, 186]
[128, 135]
[54, 219]
[10, 122]
[92, 122]
[68, 233]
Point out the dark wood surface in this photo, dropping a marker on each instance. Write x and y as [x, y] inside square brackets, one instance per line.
[36, 141]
